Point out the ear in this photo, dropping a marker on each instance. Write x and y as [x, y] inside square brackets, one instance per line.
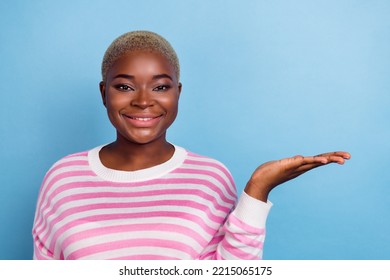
[180, 86]
[102, 87]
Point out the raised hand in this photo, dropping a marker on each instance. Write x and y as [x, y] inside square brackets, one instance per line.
[271, 174]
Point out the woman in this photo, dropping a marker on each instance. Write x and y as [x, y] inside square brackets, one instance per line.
[141, 197]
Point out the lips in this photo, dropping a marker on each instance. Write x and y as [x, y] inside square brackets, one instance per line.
[143, 120]
[142, 117]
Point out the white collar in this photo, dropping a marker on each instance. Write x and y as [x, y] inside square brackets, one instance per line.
[157, 171]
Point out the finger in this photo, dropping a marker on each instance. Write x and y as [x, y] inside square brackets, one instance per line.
[310, 159]
[326, 158]
[338, 157]
[331, 158]
[297, 161]
[311, 165]
[304, 168]
[342, 154]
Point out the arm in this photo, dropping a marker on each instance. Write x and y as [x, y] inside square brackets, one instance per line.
[41, 252]
[242, 235]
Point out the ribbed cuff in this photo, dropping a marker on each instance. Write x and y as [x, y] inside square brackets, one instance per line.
[252, 211]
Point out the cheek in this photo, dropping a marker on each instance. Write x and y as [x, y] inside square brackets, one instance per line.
[116, 102]
[114, 106]
[170, 103]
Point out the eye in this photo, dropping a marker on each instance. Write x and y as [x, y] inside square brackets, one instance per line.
[162, 88]
[123, 87]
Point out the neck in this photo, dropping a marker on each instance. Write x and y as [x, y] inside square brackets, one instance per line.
[129, 156]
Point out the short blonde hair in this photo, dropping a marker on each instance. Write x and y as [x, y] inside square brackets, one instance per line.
[135, 41]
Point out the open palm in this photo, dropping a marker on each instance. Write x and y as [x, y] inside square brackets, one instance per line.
[273, 173]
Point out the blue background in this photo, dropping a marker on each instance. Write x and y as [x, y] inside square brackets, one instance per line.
[262, 80]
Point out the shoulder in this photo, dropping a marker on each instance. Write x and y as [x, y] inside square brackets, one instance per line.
[61, 172]
[67, 165]
[79, 158]
[206, 161]
[210, 166]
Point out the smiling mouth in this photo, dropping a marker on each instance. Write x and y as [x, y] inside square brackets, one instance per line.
[142, 119]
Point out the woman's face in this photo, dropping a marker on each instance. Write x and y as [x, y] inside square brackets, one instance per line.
[141, 94]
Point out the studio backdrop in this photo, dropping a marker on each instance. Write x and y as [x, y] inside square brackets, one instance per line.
[262, 80]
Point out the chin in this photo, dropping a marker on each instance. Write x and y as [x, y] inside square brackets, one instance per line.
[144, 140]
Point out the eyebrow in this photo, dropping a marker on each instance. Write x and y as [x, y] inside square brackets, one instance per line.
[155, 77]
[161, 76]
[129, 77]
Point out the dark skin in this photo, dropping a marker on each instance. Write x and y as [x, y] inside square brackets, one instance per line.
[141, 94]
[273, 173]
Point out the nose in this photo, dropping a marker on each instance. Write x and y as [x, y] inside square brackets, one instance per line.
[142, 99]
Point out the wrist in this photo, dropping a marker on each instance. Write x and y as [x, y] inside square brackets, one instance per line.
[257, 191]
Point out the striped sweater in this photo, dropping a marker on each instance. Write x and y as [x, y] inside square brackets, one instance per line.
[185, 208]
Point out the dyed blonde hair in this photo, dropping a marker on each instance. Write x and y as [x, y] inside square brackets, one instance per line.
[136, 41]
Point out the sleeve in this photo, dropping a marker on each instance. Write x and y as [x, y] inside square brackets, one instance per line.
[242, 235]
[40, 226]
[40, 252]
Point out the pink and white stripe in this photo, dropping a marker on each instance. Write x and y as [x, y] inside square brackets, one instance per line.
[183, 209]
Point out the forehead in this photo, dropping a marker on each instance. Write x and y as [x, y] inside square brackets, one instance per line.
[142, 62]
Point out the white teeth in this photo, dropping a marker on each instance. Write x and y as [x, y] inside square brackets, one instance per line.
[143, 119]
